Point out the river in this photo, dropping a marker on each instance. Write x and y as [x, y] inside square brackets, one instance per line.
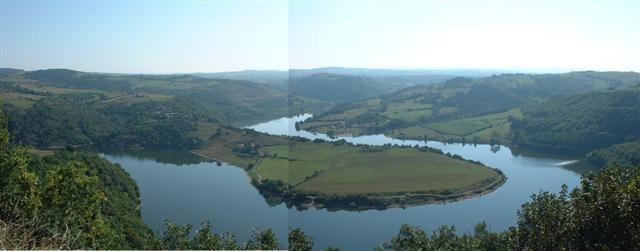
[187, 191]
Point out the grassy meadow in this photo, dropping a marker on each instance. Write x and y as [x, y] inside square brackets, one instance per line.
[347, 170]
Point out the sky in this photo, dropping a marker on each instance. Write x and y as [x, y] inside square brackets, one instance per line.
[214, 36]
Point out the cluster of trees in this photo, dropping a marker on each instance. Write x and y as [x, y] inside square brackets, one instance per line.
[625, 154]
[83, 119]
[236, 102]
[602, 214]
[462, 97]
[581, 123]
[67, 200]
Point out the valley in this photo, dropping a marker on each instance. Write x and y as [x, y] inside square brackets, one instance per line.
[409, 145]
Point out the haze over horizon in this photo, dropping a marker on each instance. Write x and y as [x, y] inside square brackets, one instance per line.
[203, 36]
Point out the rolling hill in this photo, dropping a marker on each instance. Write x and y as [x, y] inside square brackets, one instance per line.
[61, 107]
[461, 109]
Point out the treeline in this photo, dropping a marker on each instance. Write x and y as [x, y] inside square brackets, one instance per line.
[579, 124]
[85, 119]
[625, 154]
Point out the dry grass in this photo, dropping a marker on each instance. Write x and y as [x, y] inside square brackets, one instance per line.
[31, 235]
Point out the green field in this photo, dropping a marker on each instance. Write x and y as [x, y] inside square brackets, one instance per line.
[468, 126]
[293, 164]
[478, 129]
[346, 170]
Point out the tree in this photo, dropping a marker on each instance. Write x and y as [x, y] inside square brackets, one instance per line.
[263, 240]
[299, 241]
[176, 236]
[543, 223]
[19, 194]
[73, 201]
[606, 210]
[409, 238]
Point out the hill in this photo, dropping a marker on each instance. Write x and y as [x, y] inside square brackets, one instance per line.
[339, 88]
[581, 123]
[67, 200]
[403, 78]
[237, 102]
[461, 109]
[278, 79]
[9, 71]
[58, 107]
[626, 154]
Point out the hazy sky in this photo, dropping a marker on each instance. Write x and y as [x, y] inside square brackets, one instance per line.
[211, 36]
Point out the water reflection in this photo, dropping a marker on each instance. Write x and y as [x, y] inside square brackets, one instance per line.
[185, 192]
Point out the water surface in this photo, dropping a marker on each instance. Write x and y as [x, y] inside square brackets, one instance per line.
[190, 193]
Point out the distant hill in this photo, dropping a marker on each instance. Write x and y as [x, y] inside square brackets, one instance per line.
[277, 79]
[401, 77]
[232, 102]
[381, 73]
[9, 71]
[339, 88]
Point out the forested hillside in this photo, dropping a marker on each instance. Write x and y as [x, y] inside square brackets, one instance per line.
[66, 200]
[625, 154]
[581, 123]
[59, 107]
[236, 102]
[462, 109]
[89, 119]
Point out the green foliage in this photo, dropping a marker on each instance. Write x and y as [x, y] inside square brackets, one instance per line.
[19, 191]
[625, 154]
[581, 123]
[180, 237]
[409, 238]
[121, 208]
[602, 214]
[415, 110]
[176, 236]
[544, 223]
[88, 201]
[606, 210]
[73, 201]
[263, 240]
[204, 239]
[235, 102]
[82, 120]
[299, 241]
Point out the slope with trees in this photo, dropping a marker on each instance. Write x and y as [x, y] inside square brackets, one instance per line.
[416, 112]
[582, 123]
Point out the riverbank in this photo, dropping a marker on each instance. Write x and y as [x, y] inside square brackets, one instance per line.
[362, 202]
[341, 175]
